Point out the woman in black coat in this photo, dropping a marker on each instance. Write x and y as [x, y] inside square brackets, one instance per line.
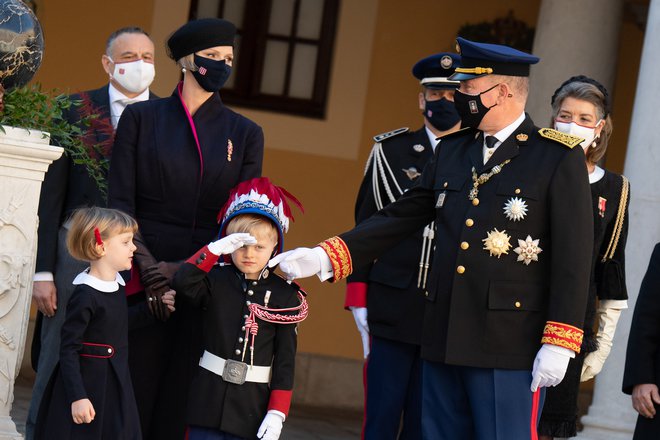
[174, 161]
[641, 376]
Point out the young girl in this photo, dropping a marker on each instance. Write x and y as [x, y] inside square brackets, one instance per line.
[90, 395]
[245, 376]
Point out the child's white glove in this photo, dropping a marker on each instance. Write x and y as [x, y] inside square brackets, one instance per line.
[271, 427]
[227, 245]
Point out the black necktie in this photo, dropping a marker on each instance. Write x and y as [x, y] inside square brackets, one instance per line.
[490, 144]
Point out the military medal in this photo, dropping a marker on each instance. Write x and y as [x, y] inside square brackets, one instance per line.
[476, 181]
[515, 209]
[528, 250]
[441, 200]
[418, 148]
[230, 150]
[602, 202]
[412, 173]
[497, 243]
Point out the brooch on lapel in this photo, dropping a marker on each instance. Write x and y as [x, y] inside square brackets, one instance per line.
[230, 150]
[515, 209]
[412, 173]
[602, 202]
[497, 243]
[522, 137]
[418, 148]
[528, 250]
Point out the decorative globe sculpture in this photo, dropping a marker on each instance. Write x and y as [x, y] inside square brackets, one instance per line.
[21, 44]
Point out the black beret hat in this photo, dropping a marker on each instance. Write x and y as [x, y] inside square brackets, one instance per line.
[200, 34]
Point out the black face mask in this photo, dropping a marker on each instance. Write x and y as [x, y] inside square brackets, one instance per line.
[441, 114]
[470, 108]
[211, 75]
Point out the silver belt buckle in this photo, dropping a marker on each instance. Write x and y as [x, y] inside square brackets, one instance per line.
[235, 372]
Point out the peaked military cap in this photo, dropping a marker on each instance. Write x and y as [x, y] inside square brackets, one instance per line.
[434, 71]
[478, 59]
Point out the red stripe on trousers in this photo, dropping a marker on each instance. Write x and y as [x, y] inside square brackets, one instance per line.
[535, 414]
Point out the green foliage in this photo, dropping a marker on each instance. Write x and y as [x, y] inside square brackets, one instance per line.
[31, 108]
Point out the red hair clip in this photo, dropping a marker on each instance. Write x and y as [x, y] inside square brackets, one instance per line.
[97, 234]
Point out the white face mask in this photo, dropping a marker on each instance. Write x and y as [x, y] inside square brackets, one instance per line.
[587, 133]
[134, 76]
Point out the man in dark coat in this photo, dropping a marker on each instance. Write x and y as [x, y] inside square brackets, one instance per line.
[508, 285]
[387, 296]
[129, 62]
[641, 377]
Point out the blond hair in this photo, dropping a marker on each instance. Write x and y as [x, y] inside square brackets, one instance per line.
[81, 240]
[249, 222]
[188, 62]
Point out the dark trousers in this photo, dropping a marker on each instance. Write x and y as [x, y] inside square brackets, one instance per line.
[648, 429]
[201, 433]
[393, 390]
[470, 403]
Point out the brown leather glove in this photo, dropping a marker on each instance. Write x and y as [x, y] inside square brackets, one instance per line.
[159, 275]
[155, 302]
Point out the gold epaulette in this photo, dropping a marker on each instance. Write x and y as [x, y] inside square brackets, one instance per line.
[565, 139]
[381, 137]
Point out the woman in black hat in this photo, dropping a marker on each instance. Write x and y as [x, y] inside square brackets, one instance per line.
[581, 107]
[174, 161]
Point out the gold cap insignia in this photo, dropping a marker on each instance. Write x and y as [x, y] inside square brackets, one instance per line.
[522, 137]
[446, 62]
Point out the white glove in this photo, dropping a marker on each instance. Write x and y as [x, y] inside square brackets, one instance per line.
[303, 263]
[608, 313]
[550, 366]
[227, 245]
[360, 316]
[271, 427]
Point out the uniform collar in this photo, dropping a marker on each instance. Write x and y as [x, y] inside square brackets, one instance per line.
[98, 284]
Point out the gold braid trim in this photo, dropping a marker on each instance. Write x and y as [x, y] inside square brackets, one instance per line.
[562, 335]
[618, 224]
[340, 258]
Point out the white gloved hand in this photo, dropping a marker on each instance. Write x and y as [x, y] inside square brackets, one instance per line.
[360, 316]
[608, 313]
[550, 366]
[271, 427]
[298, 263]
[227, 245]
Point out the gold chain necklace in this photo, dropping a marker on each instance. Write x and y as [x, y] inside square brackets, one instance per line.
[476, 181]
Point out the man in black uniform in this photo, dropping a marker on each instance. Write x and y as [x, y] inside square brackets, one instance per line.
[509, 280]
[129, 62]
[391, 289]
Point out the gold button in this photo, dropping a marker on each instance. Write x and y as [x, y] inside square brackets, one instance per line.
[426, 293]
[475, 201]
[469, 222]
[517, 304]
[517, 191]
[465, 245]
[460, 269]
[444, 185]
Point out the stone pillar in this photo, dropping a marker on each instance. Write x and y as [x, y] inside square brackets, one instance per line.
[611, 415]
[24, 159]
[572, 38]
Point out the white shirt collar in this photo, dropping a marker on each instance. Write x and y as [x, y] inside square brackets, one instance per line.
[433, 139]
[98, 284]
[117, 106]
[502, 135]
[596, 174]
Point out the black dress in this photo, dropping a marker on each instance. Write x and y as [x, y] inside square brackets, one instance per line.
[559, 417]
[93, 365]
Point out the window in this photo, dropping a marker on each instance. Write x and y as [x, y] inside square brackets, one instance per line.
[283, 52]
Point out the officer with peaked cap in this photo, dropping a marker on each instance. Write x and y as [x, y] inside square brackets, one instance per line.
[510, 273]
[387, 296]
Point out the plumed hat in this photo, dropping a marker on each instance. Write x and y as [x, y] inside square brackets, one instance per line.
[259, 196]
[200, 34]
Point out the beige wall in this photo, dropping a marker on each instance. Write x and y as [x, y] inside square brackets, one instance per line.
[320, 161]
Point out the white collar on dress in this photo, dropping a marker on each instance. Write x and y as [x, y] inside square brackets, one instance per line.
[98, 284]
[596, 175]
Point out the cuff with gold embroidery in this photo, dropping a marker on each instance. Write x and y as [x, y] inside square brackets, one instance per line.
[562, 335]
[204, 259]
[340, 258]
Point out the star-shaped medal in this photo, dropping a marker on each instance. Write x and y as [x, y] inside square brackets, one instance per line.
[497, 243]
[528, 250]
[515, 209]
